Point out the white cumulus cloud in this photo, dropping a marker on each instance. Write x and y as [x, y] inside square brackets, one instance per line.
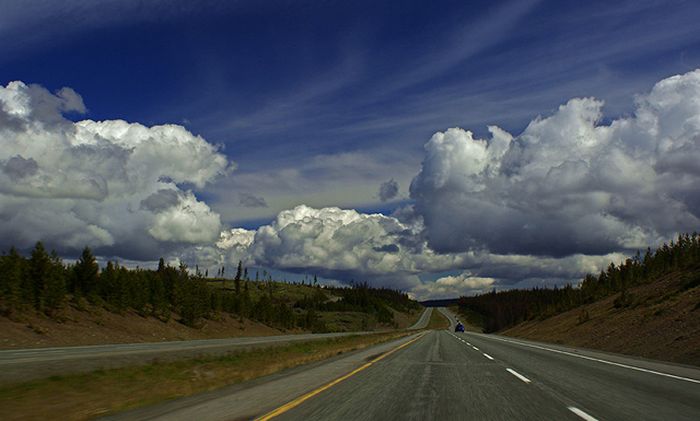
[568, 183]
[112, 185]
[464, 284]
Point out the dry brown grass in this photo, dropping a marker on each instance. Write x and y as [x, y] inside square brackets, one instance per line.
[85, 396]
[438, 321]
[660, 320]
[94, 325]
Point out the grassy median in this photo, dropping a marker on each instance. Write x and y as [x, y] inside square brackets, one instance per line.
[438, 321]
[85, 396]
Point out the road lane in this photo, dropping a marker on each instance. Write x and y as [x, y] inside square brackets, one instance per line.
[437, 377]
[447, 375]
[423, 320]
[605, 391]
[604, 386]
[257, 397]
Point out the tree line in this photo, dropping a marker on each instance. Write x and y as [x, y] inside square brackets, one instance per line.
[363, 298]
[43, 282]
[503, 309]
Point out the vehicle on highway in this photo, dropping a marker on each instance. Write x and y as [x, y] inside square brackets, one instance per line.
[459, 327]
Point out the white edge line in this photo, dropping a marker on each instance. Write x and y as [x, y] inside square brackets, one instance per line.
[475, 348]
[631, 367]
[488, 356]
[581, 414]
[518, 375]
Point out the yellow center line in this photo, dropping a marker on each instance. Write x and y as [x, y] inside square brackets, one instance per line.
[301, 399]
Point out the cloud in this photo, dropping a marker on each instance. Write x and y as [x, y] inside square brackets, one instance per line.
[189, 221]
[340, 244]
[343, 179]
[17, 167]
[460, 285]
[568, 184]
[161, 200]
[251, 201]
[347, 245]
[388, 190]
[123, 188]
[565, 197]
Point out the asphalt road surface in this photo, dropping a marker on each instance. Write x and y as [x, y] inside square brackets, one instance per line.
[26, 364]
[442, 375]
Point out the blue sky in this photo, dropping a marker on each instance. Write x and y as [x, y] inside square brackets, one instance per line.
[320, 102]
[284, 81]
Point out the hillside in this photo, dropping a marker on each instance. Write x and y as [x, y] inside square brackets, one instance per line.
[647, 306]
[661, 321]
[91, 324]
[44, 302]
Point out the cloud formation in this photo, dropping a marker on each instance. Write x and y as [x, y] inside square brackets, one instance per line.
[388, 190]
[348, 245]
[249, 200]
[568, 183]
[565, 197]
[463, 284]
[116, 186]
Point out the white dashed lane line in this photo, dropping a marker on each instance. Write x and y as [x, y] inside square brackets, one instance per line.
[581, 414]
[585, 357]
[518, 375]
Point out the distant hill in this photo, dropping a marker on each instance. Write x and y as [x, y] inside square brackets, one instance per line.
[647, 306]
[440, 303]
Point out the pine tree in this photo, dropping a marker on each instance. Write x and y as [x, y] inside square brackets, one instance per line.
[237, 279]
[86, 274]
[54, 285]
[39, 268]
[13, 281]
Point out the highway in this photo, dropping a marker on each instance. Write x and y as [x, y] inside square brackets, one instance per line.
[444, 375]
[26, 364]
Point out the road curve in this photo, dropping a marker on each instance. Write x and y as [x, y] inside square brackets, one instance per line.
[424, 319]
[446, 375]
[26, 364]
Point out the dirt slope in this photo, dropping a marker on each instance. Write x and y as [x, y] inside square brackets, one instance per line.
[95, 325]
[660, 320]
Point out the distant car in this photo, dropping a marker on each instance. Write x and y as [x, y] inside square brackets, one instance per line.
[459, 327]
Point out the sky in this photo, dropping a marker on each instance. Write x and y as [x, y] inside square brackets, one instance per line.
[444, 148]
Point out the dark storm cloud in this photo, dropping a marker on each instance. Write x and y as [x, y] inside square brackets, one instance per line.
[249, 200]
[388, 190]
[17, 167]
[161, 200]
[387, 248]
